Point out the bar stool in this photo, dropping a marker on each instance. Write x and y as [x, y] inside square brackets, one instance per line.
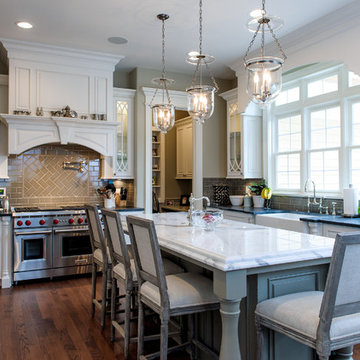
[167, 295]
[101, 259]
[124, 271]
[325, 321]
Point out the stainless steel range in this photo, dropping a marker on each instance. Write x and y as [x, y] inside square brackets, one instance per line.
[50, 243]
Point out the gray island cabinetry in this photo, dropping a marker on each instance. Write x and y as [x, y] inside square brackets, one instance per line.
[248, 263]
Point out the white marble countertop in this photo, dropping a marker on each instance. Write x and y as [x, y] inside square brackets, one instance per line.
[235, 245]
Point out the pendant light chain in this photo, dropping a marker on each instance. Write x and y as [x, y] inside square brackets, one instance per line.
[200, 27]
[277, 42]
[163, 48]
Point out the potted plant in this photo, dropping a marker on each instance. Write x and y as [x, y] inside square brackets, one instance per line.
[256, 189]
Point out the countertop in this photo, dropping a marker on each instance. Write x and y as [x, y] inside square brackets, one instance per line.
[174, 208]
[336, 220]
[234, 245]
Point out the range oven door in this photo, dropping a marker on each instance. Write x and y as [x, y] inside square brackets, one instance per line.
[32, 249]
[72, 247]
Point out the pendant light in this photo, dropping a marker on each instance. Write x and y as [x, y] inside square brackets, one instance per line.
[264, 73]
[200, 96]
[163, 114]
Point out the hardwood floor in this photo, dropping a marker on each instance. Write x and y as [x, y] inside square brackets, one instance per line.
[52, 320]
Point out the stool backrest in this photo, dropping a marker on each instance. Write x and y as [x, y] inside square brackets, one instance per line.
[342, 290]
[96, 233]
[115, 236]
[147, 255]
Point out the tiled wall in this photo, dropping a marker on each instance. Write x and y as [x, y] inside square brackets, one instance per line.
[283, 202]
[37, 177]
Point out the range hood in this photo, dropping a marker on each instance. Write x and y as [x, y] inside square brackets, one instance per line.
[25, 132]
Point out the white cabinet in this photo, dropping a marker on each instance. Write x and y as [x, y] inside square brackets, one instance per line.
[244, 141]
[330, 230]
[124, 115]
[239, 216]
[184, 149]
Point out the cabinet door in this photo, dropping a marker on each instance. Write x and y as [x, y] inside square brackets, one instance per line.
[123, 108]
[330, 230]
[180, 159]
[187, 150]
[234, 141]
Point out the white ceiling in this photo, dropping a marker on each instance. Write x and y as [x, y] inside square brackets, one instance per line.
[86, 24]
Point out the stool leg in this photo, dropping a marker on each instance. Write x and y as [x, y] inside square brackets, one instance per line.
[259, 338]
[192, 336]
[113, 307]
[140, 328]
[164, 337]
[93, 287]
[103, 300]
[127, 323]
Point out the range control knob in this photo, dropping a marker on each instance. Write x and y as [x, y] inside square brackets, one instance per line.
[42, 222]
[27, 222]
[56, 221]
[86, 220]
[71, 221]
[80, 220]
[19, 223]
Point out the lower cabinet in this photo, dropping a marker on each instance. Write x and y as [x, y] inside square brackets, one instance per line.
[330, 230]
[239, 216]
[5, 251]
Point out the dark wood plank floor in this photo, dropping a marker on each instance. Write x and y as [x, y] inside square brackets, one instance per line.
[52, 320]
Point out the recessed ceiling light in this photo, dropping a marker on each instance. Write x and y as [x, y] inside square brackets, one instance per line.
[24, 25]
[117, 40]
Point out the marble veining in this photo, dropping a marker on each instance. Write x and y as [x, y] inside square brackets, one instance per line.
[234, 245]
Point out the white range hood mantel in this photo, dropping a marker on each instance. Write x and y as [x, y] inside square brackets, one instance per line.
[26, 132]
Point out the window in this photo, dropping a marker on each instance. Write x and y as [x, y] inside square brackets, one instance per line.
[354, 79]
[288, 96]
[322, 86]
[314, 136]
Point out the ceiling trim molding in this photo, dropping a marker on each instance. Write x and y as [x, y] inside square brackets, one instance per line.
[32, 51]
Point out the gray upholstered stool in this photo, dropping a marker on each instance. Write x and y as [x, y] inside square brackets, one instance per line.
[325, 321]
[101, 259]
[167, 295]
[124, 271]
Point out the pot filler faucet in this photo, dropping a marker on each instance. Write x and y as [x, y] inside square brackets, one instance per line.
[314, 202]
[191, 208]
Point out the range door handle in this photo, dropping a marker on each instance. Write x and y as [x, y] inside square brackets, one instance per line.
[34, 232]
[67, 230]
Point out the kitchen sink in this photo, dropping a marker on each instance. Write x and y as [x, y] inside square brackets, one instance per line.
[286, 221]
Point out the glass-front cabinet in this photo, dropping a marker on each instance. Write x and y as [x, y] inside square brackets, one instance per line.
[244, 140]
[124, 115]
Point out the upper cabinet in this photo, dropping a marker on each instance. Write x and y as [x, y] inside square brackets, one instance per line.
[244, 140]
[124, 115]
[184, 148]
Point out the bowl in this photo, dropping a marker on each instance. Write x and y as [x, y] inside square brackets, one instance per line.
[207, 219]
[237, 200]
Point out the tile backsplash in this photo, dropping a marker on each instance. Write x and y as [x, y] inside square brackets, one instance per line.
[37, 177]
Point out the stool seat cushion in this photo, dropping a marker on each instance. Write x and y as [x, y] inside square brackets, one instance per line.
[169, 267]
[185, 290]
[299, 312]
[99, 256]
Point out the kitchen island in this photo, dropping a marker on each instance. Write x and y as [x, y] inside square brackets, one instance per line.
[248, 263]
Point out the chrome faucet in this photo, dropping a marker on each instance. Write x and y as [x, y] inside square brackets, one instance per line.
[314, 202]
[191, 208]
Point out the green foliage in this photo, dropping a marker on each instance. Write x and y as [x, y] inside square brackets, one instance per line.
[256, 188]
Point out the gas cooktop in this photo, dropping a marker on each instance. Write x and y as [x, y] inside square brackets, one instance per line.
[35, 208]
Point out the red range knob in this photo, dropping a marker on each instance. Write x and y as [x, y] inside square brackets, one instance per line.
[80, 220]
[27, 222]
[71, 221]
[19, 223]
[86, 220]
[56, 221]
[42, 222]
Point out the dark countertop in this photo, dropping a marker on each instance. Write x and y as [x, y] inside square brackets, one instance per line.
[128, 208]
[336, 220]
[248, 210]
[173, 208]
